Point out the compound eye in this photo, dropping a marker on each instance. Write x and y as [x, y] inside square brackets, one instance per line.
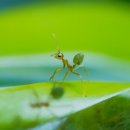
[60, 55]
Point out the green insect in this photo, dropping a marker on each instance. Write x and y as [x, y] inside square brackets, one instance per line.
[77, 60]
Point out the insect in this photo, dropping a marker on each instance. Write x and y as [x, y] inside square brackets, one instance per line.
[77, 60]
[38, 104]
[56, 93]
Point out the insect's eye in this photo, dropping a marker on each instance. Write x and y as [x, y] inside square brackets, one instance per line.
[60, 55]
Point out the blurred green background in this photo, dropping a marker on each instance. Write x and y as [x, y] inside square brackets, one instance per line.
[102, 27]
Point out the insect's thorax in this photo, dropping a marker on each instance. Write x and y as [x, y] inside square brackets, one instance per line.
[66, 63]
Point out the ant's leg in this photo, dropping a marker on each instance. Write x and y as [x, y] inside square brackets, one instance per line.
[77, 74]
[37, 100]
[81, 80]
[56, 71]
[86, 78]
[66, 74]
[35, 93]
[85, 71]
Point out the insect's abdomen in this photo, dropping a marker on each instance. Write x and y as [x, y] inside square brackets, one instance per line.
[78, 59]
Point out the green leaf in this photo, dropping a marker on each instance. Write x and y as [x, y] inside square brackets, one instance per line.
[111, 114]
[16, 103]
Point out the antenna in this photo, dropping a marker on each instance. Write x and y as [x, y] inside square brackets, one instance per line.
[55, 40]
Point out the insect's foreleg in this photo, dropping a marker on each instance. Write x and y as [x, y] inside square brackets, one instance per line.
[55, 72]
[66, 74]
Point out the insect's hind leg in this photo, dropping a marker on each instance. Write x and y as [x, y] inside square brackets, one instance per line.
[85, 78]
[84, 70]
[55, 72]
[77, 74]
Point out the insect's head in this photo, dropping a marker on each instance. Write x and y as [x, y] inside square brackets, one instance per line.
[58, 55]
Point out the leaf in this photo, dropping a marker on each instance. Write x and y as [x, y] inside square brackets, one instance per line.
[111, 114]
[16, 109]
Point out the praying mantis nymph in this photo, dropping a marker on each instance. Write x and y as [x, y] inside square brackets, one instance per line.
[77, 60]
